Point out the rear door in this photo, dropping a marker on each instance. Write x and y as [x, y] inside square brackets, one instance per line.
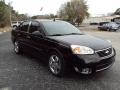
[23, 33]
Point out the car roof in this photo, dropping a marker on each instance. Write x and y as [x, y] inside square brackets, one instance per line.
[40, 20]
[47, 20]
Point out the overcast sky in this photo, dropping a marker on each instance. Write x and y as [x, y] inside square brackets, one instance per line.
[32, 7]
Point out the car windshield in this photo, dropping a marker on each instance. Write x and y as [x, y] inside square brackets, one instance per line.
[60, 28]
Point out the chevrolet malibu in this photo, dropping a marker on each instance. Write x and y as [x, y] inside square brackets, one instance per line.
[64, 46]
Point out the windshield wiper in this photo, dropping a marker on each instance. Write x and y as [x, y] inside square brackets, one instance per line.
[66, 34]
[57, 35]
[74, 34]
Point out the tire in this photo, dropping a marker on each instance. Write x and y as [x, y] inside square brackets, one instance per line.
[57, 64]
[15, 26]
[17, 47]
[108, 29]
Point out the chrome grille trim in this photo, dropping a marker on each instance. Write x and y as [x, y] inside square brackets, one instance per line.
[108, 56]
[103, 49]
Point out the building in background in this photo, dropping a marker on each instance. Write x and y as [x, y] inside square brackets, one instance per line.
[101, 19]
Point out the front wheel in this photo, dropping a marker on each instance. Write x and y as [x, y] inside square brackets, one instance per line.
[57, 64]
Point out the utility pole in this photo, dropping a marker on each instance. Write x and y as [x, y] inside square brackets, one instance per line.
[10, 11]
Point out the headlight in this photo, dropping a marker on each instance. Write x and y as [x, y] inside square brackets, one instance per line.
[76, 49]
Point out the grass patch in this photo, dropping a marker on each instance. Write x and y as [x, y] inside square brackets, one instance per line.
[6, 29]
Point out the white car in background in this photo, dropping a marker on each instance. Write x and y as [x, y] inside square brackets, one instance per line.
[14, 24]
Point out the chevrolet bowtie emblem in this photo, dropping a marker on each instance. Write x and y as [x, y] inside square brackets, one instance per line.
[107, 52]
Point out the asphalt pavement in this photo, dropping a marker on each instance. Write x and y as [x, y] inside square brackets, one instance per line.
[23, 72]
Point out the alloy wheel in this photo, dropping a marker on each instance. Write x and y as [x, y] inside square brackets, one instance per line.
[55, 64]
[16, 47]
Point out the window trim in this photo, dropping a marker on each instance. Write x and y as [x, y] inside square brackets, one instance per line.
[27, 28]
[40, 25]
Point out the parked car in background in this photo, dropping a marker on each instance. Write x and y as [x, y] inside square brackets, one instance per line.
[111, 26]
[14, 24]
[101, 23]
[118, 24]
[64, 46]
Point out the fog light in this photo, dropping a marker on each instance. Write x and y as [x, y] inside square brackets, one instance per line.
[86, 71]
[76, 69]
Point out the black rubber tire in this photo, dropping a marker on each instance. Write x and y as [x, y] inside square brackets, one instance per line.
[108, 29]
[15, 26]
[63, 69]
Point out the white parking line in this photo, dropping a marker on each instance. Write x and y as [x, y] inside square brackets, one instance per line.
[0, 33]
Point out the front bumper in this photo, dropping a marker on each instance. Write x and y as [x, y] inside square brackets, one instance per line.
[92, 63]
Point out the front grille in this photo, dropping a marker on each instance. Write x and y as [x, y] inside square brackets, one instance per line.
[105, 52]
[104, 63]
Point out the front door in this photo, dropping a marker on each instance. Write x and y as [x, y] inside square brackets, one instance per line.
[36, 41]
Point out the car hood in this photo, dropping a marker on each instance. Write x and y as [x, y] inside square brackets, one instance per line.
[83, 40]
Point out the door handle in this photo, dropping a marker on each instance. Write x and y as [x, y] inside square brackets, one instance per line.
[28, 37]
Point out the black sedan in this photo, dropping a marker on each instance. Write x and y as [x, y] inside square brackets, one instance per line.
[64, 46]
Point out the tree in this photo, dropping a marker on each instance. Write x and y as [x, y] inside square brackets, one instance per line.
[117, 12]
[74, 11]
[22, 17]
[4, 16]
[46, 16]
[7, 13]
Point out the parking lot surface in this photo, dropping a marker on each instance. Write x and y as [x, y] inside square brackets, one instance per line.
[22, 72]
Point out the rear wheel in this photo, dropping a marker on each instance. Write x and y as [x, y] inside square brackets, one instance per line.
[17, 48]
[57, 64]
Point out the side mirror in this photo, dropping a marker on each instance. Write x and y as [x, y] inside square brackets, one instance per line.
[16, 28]
[37, 33]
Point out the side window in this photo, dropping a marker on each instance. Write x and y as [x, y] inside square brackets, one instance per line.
[24, 26]
[34, 27]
